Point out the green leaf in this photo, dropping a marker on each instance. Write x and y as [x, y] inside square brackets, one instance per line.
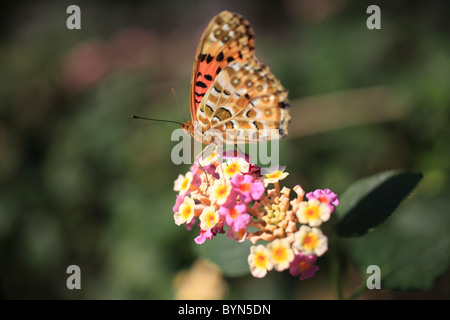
[412, 251]
[370, 201]
[229, 255]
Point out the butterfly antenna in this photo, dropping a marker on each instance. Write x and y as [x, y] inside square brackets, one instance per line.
[151, 119]
[178, 102]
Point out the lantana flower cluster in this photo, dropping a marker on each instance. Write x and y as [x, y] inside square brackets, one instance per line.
[235, 197]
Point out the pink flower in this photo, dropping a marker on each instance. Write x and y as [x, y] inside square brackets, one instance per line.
[209, 233]
[204, 234]
[218, 228]
[229, 154]
[247, 187]
[190, 224]
[236, 217]
[324, 196]
[178, 202]
[195, 169]
[239, 235]
[196, 180]
[185, 184]
[253, 169]
[304, 266]
[230, 196]
[210, 169]
[223, 194]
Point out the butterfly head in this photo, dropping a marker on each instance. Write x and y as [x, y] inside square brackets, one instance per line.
[197, 132]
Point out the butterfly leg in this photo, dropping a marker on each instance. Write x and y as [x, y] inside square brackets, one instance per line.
[204, 171]
[221, 164]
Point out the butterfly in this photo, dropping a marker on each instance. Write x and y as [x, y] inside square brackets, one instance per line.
[231, 91]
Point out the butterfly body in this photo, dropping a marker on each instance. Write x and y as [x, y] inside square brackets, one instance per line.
[233, 96]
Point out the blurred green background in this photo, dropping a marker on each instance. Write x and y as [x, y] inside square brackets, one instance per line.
[81, 183]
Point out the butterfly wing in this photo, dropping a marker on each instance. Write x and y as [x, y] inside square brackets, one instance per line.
[227, 38]
[247, 100]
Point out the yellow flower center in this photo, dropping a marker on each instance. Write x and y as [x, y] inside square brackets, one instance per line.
[312, 212]
[222, 191]
[232, 169]
[279, 254]
[185, 184]
[310, 241]
[260, 260]
[186, 212]
[274, 175]
[211, 219]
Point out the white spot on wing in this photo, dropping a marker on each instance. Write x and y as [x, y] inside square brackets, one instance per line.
[235, 66]
[230, 110]
[221, 81]
[229, 87]
[214, 91]
[242, 91]
[210, 104]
